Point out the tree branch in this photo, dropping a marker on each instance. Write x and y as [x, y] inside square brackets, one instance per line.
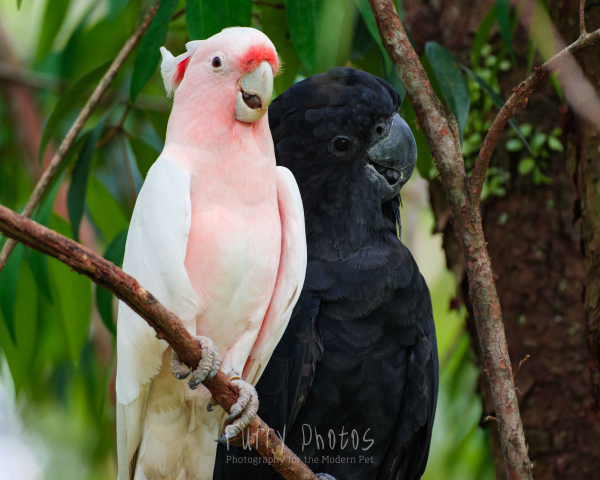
[582, 31]
[520, 96]
[168, 327]
[445, 147]
[85, 113]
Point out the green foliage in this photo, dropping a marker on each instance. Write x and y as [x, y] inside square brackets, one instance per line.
[206, 18]
[53, 19]
[317, 28]
[81, 173]
[452, 82]
[64, 106]
[149, 53]
[73, 296]
[503, 11]
[104, 299]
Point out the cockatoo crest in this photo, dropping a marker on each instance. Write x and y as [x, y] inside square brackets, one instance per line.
[173, 68]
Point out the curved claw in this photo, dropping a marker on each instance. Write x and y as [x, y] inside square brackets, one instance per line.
[246, 406]
[207, 368]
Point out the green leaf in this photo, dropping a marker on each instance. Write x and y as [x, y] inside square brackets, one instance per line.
[503, 9]
[369, 18]
[538, 140]
[275, 26]
[483, 32]
[19, 354]
[105, 210]
[554, 144]
[452, 81]
[66, 103]
[205, 18]
[526, 165]
[149, 53]
[514, 145]
[19, 2]
[499, 102]
[316, 29]
[8, 289]
[114, 253]
[145, 154]
[79, 179]
[73, 296]
[56, 10]
[38, 261]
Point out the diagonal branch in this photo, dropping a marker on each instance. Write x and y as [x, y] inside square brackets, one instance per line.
[85, 113]
[168, 327]
[520, 96]
[466, 218]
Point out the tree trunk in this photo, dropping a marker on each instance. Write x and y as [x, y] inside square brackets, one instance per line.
[546, 260]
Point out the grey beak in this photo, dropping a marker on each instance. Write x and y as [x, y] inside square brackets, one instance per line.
[396, 151]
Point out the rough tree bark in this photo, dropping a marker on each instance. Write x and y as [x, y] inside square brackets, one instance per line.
[534, 242]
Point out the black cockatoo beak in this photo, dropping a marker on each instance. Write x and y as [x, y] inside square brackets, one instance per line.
[392, 158]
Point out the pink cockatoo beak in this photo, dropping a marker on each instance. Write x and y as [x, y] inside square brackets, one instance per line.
[254, 94]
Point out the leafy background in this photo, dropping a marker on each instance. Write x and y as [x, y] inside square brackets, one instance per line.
[57, 328]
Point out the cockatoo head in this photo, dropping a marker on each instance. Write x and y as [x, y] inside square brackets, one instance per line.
[228, 76]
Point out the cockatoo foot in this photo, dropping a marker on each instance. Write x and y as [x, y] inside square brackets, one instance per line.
[207, 368]
[324, 476]
[246, 405]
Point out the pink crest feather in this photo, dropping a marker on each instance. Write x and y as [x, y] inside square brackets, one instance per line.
[257, 54]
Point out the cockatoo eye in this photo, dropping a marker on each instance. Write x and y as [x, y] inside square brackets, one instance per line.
[216, 62]
[341, 144]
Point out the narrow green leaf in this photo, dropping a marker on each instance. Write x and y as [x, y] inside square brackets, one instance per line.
[73, 296]
[56, 10]
[503, 9]
[66, 102]
[8, 289]
[114, 253]
[149, 53]
[369, 18]
[105, 210]
[275, 26]
[19, 2]
[452, 81]
[316, 29]
[483, 32]
[38, 261]
[498, 101]
[79, 179]
[145, 154]
[19, 354]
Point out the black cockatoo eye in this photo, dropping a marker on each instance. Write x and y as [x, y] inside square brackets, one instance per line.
[341, 144]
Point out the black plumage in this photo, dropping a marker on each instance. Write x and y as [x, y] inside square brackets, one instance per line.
[360, 353]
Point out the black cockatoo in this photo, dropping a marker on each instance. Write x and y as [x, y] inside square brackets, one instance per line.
[352, 386]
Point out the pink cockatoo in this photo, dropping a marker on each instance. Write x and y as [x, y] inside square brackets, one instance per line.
[217, 235]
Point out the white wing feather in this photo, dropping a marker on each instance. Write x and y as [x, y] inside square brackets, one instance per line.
[290, 277]
[154, 255]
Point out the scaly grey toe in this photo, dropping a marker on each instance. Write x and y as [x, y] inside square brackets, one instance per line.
[246, 407]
